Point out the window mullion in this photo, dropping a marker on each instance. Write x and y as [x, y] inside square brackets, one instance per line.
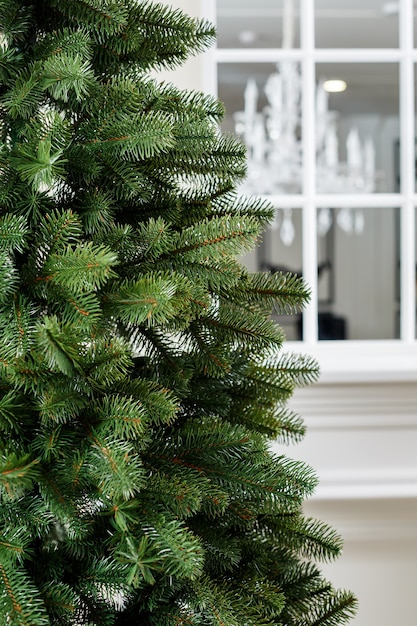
[310, 321]
[407, 173]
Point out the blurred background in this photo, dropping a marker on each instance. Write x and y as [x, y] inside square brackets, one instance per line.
[322, 92]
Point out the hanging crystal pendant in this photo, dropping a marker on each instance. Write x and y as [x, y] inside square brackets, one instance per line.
[324, 221]
[359, 222]
[345, 220]
[287, 230]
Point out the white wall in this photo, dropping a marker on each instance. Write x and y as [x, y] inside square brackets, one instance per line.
[379, 560]
[190, 75]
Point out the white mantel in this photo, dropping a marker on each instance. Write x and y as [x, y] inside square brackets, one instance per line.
[361, 439]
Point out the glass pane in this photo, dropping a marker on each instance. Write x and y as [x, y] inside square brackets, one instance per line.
[356, 24]
[263, 107]
[359, 262]
[415, 133]
[415, 261]
[258, 23]
[357, 128]
[415, 27]
[281, 251]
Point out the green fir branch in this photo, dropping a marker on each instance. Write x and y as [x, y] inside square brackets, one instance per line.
[149, 300]
[13, 233]
[17, 474]
[56, 231]
[106, 362]
[230, 202]
[240, 329]
[59, 345]
[60, 599]
[15, 20]
[20, 601]
[336, 608]
[281, 293]
[132, 138]
[60, 403]
[66, 73]
[216, 237]
[116, 467]
[83, 268]
[102, 17]
[24, 94]
[72, 41]
[157, 299]
[40, 168]
[13, 412]
[81, 309]
[160, 405]
[121, 417]
[179, 551]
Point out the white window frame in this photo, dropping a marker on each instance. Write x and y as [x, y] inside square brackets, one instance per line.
[349, 360]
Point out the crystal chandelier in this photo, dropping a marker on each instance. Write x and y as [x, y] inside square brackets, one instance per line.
[273, 140]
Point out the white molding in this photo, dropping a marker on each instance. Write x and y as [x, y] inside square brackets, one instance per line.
[366, 484]
[360, 422]
[319, 55]
[379, 531]
[357, 407]
[277, 12]
[380, 521]
[362, 361]
[368, 200]
[375, 428]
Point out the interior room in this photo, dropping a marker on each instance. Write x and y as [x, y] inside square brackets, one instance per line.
[322, 92]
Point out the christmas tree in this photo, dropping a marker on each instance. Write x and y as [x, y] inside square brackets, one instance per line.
[141, 377]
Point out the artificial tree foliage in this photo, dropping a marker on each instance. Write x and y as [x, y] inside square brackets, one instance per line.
[141, 377]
